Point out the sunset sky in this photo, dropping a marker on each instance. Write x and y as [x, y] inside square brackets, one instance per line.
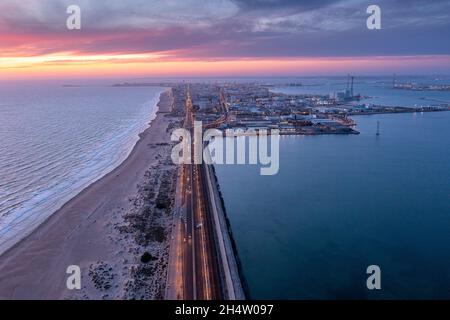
[222, 38]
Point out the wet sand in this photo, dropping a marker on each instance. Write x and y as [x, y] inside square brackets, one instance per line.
[84, 232]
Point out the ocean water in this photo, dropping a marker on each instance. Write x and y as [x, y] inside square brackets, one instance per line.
[343, 202]
[56, 140]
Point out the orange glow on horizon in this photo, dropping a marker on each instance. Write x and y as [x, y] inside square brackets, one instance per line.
[69, 64]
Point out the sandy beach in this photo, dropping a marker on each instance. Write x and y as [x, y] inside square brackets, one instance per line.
[115, 230]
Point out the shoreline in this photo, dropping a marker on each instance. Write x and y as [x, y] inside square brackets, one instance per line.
[238, 280]
[26, 230]
[86, 230]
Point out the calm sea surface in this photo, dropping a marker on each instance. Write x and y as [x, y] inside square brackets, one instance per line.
[55, 141]
[341, 203]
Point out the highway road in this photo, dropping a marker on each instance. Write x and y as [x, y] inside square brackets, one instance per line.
[197, 260]
[200, 259]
